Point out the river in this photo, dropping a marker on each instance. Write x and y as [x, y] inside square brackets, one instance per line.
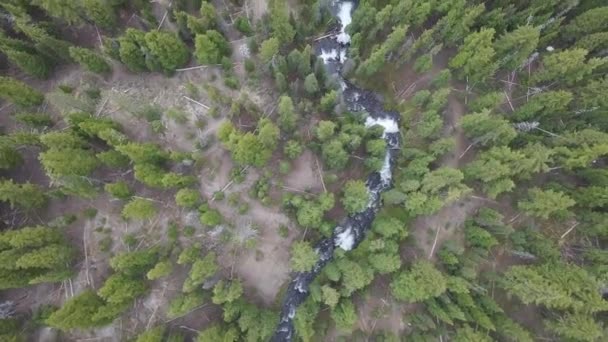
[352, 229]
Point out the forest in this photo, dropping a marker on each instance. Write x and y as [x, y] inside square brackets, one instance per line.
[170, 170]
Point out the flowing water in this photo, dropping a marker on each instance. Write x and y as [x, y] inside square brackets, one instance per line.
[351, 230]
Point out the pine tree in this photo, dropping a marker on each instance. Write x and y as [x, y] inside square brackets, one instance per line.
[139, 209]
[356, 196]
[591, 21]
[77, 312]
[25, 195]
[211, 47]
[514, 47]
[89, 59]
[101, 12]
[287, 113]
[303, 257]
[68, 10]
[279, 22]
[486, 129]
[568, 66]
[131, 51]
[200, 271]
[19, 93]
[43, 41]
[476, 57]
[421, 282]
[30, 63]
[170, 51]
[546, 203]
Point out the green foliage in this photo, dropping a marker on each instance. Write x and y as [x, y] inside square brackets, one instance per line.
[292, 149]
[19, 93]
[24, 195]
[577, 327]
[287, 113]
[120, 289]
[130, 50]
[345, 316]
[486, 129]
[101, 12]
[329, 101]
[77, 312]
[160, 270]
[514, 47]
[269, 49]
[30, 63]
[355, 197]
[187, 198]
[37, 120]
[389, 227]
[139, 209]
[119, 190]
[569, 66]
[113, 159]
[279, 22]
[211, 47]
[555, 285]
[325, 130]
[331, 297]
[334, 154]
[189, 255]
[33, 255]
[210, 217]
[184, 303]
[311, 85]
[218, 333]
[155, 334]
[591, 21]
[134, 263]
[303, 256]
[170, 51]
[421, 282]
[546, 203]
[475, 57]
[200, 271]
[242, 24]
[89, 59]
[227, 292]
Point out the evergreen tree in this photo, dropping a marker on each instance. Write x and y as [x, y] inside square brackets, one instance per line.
[475, 57]
[356, 196]
[421, 282]
[568, 66]
[269, 49]
[139, 209]
[211, 47]
[101, 12]
[487, 129]
[68, 10]
[591, 21]
[514, 47]
[131, 51]
[279, 22]
[546, 203]
[287, 113]
[25, 195]
[77, 312]
[30, 63]
[303, 257]
[170, 51]
[89, 59]
[43, 41]
[200, 271]
[19, 93]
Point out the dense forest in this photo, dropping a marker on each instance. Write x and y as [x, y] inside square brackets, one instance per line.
[165, 166]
